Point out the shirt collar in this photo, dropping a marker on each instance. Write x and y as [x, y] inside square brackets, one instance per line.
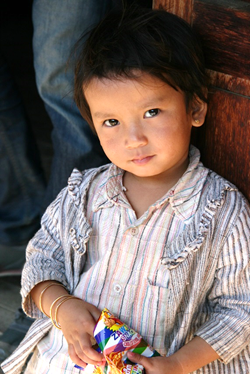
[110, 191]
[183, 197]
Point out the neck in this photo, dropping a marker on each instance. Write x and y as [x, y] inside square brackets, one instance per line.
[142, 192]
[164, 181]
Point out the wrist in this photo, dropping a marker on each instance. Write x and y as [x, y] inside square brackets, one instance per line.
[176, 363]
[44, 293]
[56, 305]
[194, 355]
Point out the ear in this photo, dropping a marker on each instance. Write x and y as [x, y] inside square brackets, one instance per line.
[198, 112]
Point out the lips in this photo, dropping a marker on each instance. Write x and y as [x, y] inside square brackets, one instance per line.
[142, 160]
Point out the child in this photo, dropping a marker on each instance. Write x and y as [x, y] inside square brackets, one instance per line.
[155, 237]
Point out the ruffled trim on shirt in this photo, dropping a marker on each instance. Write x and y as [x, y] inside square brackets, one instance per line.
[205, 222]
[74, 183]
[78, 188]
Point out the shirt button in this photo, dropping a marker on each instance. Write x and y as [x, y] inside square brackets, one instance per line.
[118, 288]
[134, 231]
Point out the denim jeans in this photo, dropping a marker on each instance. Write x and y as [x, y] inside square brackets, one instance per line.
[22, 183]
[58, 24]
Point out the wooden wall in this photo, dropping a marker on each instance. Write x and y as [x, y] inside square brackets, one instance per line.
[224, 139]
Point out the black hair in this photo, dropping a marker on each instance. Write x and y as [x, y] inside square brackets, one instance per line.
[141, 40]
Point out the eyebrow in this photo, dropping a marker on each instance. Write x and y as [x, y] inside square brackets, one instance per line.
[146, 104]
[151, 103]
[102, 115]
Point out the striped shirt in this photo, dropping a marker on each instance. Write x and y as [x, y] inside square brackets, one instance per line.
[180, 270]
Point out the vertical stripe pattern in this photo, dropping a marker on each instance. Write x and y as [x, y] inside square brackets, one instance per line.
[180, 270]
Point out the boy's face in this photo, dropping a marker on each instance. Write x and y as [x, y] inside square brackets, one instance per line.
[143, 125]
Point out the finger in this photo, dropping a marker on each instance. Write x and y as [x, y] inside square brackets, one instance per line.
[85, 345]
[86, 354]
[138, 359]
[90, 356]
[73, 356]
[96, 314]
[83, 360]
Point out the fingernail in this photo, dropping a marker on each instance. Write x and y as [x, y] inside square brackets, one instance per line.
[101, 363]
[131, 354]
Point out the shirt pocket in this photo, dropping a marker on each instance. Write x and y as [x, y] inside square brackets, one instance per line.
[145, 311]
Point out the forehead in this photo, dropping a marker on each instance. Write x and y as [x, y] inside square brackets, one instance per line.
[140, 79]
[140, 90]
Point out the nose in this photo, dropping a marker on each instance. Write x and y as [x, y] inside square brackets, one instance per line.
[135, 136]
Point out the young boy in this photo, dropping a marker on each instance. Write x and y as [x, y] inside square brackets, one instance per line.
[155, 237]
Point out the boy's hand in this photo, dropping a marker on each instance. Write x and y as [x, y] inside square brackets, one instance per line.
[156, 365]
[192, 356]
[78, 319]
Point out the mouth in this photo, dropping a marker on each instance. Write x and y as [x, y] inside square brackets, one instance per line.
[142, 160]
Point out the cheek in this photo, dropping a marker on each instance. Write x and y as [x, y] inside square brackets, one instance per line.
[162, 133]
[171, 136]
[109, 145]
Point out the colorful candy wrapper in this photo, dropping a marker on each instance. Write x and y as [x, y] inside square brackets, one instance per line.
[114, 338]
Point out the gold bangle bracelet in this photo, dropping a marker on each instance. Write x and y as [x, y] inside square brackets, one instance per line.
[42, 293]
[55, 322]
[54, 302]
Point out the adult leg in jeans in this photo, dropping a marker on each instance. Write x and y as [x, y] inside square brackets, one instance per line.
[57, 26]
[22, 188]
[22, 184]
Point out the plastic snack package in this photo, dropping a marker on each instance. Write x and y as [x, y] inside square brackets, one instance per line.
[114, 338]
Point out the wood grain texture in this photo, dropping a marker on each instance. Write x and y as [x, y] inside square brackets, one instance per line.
[225, 31]
[224, 138]
[228, 82]
[183, 9]
[224, 26]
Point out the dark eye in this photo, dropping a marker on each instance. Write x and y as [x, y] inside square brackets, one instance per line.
[111, 122]
[151, 113]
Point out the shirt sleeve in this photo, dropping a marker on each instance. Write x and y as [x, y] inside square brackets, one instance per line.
[227, 330]
[45, 258]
